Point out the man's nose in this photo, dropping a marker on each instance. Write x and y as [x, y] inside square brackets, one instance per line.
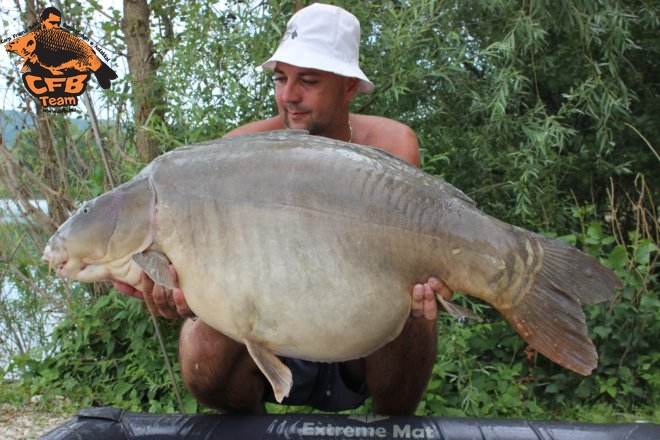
[291, 92]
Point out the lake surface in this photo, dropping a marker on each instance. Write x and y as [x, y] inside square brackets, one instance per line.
[14, 211]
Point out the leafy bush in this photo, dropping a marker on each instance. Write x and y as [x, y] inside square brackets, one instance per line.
[107, 353]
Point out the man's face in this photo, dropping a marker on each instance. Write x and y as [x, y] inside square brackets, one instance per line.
[312, 99]
[53, 21]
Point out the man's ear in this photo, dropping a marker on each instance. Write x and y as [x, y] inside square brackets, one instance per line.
[351, 87]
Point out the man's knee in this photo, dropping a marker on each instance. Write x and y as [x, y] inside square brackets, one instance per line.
[198, 356]
[398, 373]
[217, 370]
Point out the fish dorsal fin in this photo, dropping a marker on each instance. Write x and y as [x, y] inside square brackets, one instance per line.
[155, 264]
[272, 367]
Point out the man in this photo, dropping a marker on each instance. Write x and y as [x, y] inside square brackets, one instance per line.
[316, 76]
[50, 18]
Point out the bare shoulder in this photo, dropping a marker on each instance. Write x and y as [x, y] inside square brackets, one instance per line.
[257, 127]
[387, 134]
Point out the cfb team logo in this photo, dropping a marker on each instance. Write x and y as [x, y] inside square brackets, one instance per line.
[56, 63]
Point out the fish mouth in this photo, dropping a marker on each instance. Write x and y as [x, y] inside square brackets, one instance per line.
[69, 272]
[71, 266]
[66, 268]
[58, 259]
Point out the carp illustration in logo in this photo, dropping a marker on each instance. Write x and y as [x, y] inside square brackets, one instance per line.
[59, 62]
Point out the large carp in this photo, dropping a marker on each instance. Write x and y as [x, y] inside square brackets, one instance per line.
[308, 247]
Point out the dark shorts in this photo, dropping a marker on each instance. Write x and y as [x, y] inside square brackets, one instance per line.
[320, 385]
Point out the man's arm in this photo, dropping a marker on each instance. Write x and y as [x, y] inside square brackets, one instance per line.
[386, 134]
[257, 127]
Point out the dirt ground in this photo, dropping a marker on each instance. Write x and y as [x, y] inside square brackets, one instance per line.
[27, 423]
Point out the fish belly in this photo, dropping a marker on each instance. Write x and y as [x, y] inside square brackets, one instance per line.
[302, 283]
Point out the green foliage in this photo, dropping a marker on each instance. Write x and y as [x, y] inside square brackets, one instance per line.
[539, 100]
[622, 330]
[470, 379]
[215, 62]
[106, 353]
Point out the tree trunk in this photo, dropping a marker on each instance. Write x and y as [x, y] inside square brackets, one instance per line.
[142, 66]
[58, 206]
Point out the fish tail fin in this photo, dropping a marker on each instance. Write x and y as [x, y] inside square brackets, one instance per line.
[549, 315]
[104, 75]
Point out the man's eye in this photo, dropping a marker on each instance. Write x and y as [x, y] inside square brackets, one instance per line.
[279, 79]
[309, 82]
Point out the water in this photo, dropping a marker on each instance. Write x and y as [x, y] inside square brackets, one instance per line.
[14, 211]
[31, 333]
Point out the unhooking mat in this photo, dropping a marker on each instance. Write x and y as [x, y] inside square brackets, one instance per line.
[116, 424]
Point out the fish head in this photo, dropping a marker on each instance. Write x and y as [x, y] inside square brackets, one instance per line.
[97, 242]
[23, 46]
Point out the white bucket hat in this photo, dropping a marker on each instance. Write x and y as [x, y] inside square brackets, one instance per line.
[323, 37]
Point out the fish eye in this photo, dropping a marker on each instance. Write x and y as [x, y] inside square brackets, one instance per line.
[85, 210]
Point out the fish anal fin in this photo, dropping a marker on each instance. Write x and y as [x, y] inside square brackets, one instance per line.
[272, 367]
[456, 310]
[156, 265]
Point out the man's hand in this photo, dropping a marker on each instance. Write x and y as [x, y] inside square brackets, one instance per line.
[159, 300]
[424, 301]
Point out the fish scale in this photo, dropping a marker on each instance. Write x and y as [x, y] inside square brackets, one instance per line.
[65, 47]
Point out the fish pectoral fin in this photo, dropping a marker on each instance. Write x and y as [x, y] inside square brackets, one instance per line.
[272, 367]
[156, 265]
[456, 310]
